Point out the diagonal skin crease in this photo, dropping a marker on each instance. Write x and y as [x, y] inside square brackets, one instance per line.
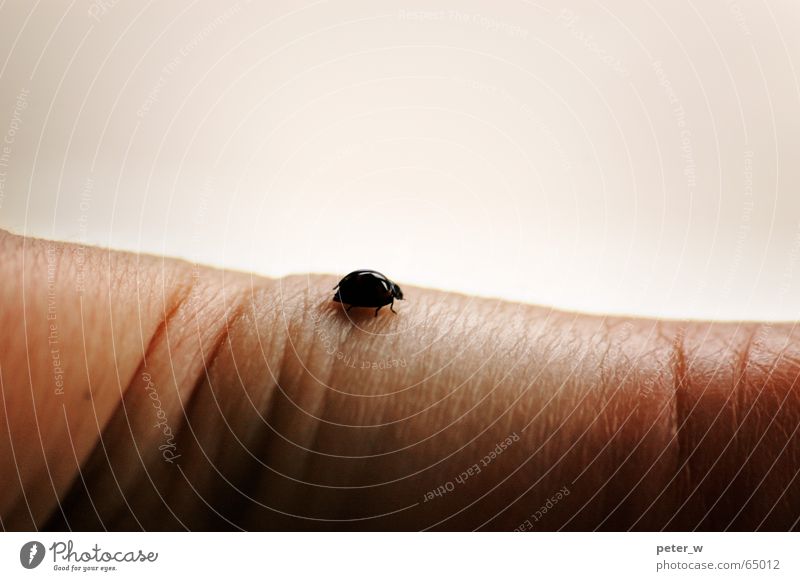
[745, 362]
[789, 437]
[743, 366]
[680, 379]
[737, 394]
[736, 399]
[188, 407]
[120, 409]
[160, 336]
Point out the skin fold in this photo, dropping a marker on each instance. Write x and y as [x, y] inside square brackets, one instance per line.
[145, 393]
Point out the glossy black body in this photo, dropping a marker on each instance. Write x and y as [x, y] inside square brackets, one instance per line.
[367, 288]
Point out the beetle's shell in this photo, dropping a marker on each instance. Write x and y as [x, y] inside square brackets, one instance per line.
[365, 288]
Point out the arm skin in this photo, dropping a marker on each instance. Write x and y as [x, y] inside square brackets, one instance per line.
[194, 398]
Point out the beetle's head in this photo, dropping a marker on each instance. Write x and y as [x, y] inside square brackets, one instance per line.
[396, 292]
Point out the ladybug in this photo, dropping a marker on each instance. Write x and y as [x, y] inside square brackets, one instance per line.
[367, 288]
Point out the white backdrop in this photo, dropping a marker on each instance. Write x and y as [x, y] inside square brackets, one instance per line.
[619, 157]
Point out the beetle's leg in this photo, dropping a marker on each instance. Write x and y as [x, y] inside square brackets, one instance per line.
[378, 309]
[391, 307]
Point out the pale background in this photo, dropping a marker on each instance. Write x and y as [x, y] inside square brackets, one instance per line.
[620, 157]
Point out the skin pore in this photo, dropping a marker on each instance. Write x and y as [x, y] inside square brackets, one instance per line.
[146, 393]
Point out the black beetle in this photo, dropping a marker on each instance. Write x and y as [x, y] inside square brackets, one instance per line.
[367, 288]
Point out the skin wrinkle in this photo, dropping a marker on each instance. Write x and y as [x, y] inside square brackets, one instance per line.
[295, 395]
[679, 375]
[721, 368]
[101, 444]
[712, 438]
[691, 392]
[639, 368]
[606, 400]
[748, 500]
[742, 368]
[220, 439]
[739, 411]
[116, 429]
[172, 319]
[73, 349]
[201, 316]
[673, 335]
[174, 493]
[673, 420]
[242, 338]
[793, 376]
[174, 328]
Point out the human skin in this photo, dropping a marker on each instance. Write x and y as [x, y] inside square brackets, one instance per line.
[141, 392]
